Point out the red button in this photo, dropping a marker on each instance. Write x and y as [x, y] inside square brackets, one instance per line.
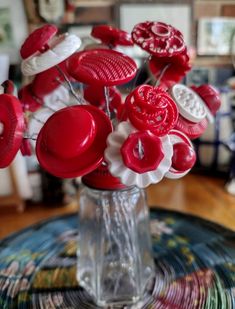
[47, 81]
[210, 95]
[77, 159]
[102, 67]
[95, 95]
[69, 133]
[28, 100]
[25, 148]
[158, 39]
[11, 128]
[149, 108]
[184, 157]
[142, 152]
[111, 36]
[8, 87]
[37, 40]
[176, 68]
[191, 129]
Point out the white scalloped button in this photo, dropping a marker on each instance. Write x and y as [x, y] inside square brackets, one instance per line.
[177, 137]
[127, 176]
[62, 48]
[190, 105]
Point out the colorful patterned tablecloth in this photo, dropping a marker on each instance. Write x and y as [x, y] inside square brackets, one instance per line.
[195, 265]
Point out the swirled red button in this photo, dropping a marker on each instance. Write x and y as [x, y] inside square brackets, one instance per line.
[149, 108]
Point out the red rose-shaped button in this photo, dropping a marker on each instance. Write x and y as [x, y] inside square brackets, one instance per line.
[142, 152]
[37, 40]
[111, 36]
[102, 67]
[149, 108]
[11, 128]
[158, 39]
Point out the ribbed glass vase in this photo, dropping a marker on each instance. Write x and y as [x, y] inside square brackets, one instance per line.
[114, 247]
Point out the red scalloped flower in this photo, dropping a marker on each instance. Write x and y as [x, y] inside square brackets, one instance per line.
[158, 39]
[175, 68]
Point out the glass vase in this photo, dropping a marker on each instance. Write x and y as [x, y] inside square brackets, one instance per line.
[114, 247]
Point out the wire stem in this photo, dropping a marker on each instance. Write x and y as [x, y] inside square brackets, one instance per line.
[140, 149]
[106, 96]
[76, 96]
[163, 71]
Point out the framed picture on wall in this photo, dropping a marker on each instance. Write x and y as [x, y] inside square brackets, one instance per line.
[214, 36]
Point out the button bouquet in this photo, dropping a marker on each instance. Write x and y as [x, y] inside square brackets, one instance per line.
[138, 139]
[75, 118]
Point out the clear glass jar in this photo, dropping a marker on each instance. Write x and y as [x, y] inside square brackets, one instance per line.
[114, 248]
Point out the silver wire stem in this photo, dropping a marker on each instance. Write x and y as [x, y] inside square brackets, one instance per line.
[140, 149]
[163, 71]
[106, 96]
[76, 96]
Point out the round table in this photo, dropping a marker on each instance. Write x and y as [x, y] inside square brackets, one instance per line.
[195, 265]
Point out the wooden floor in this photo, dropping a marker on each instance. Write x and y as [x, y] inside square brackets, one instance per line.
[199, 195]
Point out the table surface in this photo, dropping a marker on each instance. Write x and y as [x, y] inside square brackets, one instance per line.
[193, 194]
[194, 258]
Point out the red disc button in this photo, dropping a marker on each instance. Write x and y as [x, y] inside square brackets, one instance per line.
[142, 152]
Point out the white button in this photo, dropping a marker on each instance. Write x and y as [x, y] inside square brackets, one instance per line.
[189, 103]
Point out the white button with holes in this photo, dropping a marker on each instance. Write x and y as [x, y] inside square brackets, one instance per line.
[189, 103]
